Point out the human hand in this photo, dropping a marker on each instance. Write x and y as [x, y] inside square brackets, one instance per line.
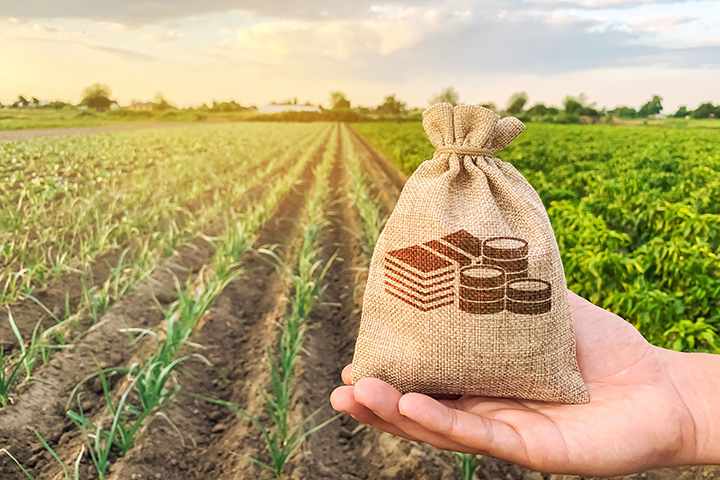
[648, 409]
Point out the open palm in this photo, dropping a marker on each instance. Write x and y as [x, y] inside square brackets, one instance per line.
[636, 419]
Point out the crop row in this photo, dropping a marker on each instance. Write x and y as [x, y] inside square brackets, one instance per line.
[306, 278]
[55, 221]
[149, 385]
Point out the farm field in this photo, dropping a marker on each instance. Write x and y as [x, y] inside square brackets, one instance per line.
[634, 213]
[176, 299]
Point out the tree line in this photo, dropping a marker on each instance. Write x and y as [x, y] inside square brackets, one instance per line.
[573, 109]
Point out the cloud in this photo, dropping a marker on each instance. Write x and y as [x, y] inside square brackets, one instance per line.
[143, 12]
[656, 24]
[408, 43]
[597, 4]
[162, 36]
[123, 53]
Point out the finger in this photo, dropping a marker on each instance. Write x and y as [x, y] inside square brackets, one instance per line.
[475, 432]
[343, 400]
[346, 373]
[383, 400]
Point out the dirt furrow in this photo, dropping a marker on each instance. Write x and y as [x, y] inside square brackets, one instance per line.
[235, 335]
[388, 180]
[332, 452]
[28, 313]
[40, 404]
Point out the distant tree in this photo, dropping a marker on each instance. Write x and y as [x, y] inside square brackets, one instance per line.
[682, 112]
[537, 110]
[624, 112]
[652, 107]
[517, 102]
[391, 105]
[704, 111]
[572, 105]
[338, 100]
[448, 95]
[97, 96]
[161, 103]
[489, 106]
[231, 106]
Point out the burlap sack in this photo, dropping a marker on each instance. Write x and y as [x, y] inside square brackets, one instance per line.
[466, 292]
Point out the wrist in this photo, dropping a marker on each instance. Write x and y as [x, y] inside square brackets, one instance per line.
[696, 377]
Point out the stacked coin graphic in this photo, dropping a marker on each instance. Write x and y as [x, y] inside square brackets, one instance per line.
[508, 253]
[420, 278]
[528, 296]
[466, 242]
[482, 289]
[491, 275]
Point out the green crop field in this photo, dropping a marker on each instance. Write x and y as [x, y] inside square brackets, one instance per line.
[634, 211]
[179, 302]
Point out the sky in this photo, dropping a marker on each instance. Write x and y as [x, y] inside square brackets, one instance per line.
[616, 52]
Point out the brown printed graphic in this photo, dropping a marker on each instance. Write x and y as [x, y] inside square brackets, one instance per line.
[492, 273]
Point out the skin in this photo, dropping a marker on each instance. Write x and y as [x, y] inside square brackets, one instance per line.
[649, 408]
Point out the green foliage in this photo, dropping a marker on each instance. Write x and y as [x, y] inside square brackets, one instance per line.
[468, 464]
[447, 95]
[634, 212]
[97, 96]
[706, 110]
[652, 107]
[405, 143]
[8, 375]
[682, 112]
[516, 103]
[339, 101]
[391, 106]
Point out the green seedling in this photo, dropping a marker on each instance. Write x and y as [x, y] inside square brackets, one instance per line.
[468, 464]
[8, 376]
[66, 474]
[281, 448]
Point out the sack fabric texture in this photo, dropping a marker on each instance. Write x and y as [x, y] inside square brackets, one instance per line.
[466, 293]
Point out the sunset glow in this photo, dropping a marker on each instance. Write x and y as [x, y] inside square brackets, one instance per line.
[615, 51]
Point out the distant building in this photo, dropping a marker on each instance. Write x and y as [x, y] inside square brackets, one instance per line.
[141, 106]
[287, 108]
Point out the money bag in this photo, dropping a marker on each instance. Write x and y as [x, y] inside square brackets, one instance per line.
[466, 293]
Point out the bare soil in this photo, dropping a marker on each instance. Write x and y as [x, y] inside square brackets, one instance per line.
[236, 334]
